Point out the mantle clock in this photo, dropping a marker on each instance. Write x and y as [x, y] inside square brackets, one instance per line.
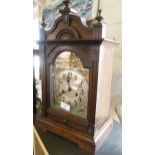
[76, 71]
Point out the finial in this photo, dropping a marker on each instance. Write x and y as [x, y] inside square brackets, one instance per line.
[99, 11]
[65, 12]
[66, 2]
[99, 18]
[43, 22]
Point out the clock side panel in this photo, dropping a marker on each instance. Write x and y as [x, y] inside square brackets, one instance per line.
[104, 85]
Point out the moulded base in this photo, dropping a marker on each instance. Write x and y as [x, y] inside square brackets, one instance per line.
[84, 141]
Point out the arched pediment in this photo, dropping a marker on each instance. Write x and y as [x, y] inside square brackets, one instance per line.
[74, 27]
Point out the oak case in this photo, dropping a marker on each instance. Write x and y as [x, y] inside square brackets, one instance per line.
[88, 42]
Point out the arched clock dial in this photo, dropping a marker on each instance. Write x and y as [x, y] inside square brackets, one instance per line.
[72, 88]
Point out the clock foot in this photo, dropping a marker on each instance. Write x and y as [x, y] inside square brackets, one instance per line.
[87, 147]
[43, 129]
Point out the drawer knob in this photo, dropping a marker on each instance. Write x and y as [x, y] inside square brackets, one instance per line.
[64, 121]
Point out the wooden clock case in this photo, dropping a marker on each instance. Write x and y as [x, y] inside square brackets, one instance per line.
[96, 54]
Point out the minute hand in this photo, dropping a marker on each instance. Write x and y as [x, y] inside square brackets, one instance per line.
[68, 81]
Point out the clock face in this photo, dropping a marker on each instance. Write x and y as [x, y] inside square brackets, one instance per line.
[70, 85]
[71, 88]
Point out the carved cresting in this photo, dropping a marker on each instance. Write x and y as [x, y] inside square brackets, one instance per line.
[65, 12]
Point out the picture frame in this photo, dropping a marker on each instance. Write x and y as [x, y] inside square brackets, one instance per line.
[84, 8]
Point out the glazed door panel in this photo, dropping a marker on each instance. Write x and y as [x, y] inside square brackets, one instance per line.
[69, 84]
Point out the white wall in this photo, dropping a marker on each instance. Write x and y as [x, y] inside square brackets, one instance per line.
[112, 13]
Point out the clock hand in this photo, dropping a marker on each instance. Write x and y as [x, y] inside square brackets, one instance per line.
[68, 81]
